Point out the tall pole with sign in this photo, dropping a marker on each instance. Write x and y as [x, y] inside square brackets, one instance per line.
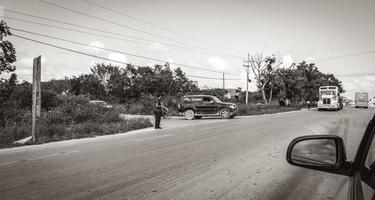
[36, 106]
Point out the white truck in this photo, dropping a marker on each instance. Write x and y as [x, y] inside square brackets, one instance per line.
[329, 98]
[361, 99]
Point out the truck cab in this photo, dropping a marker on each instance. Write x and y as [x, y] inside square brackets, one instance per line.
[329, 98]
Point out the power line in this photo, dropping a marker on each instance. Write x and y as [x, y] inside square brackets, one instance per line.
[89, 28]
[356, 75]
[347, 55]
[106, 36]
[68, 49]
[148, 23]
[99, 57]
[121, 52]
[204, 77]
[119, 24]
[95, 56]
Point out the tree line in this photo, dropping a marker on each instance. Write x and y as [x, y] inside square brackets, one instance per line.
[297, 82]
[124, 84]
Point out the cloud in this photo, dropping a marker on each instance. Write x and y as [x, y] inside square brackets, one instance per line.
[309, 59]
[287, 60]
[217, 63]
[157, 47]
[92, 46]
[29, 61]
[360, 84]
[2, 10]
[117, 57]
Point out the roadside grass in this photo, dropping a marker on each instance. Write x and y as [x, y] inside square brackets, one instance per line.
[253, 109]
[74, 118]
[57, 132]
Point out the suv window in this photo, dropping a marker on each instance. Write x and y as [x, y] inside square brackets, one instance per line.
[206, 99]
[186, 100]
[196, 99]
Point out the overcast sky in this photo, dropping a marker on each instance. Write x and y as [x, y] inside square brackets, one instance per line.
[295, 30]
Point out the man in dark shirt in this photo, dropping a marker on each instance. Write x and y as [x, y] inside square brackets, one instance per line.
[157, 112]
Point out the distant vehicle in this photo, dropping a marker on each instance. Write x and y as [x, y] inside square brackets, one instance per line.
[371, 102]
[329, 98]
[327, 153]
[100, 103]
[197, 106]
[361, 99]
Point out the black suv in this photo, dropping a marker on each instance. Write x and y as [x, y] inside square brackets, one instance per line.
[197, 106]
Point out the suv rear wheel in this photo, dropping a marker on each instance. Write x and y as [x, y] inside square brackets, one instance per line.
[225, 113]
[189, 114]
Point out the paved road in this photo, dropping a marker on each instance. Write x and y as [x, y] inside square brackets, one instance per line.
[243, 158]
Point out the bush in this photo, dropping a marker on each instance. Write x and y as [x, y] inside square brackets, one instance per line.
[146, 105]
[257, 109]
[10, 134]
[75, 117]
[55, 132]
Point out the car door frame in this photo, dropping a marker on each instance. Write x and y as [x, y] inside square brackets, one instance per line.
[197, 104]
[359, 171]
[209, 108]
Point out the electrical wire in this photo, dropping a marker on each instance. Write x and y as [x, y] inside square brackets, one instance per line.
[346, 55]
[212, 78]
[356, 75]
[121, 25]
[87, 54]
[106, 36]
[151, 24]
[89, 28]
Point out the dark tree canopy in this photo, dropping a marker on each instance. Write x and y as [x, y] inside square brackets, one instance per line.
[8, 53]
[302, 82]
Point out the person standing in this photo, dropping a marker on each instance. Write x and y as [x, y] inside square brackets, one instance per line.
[158, 112]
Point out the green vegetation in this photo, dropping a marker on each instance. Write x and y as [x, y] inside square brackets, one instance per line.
[254, 109]
[73, 118]
[298, 82]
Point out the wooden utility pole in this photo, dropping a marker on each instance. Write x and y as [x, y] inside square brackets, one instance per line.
[247, 65]
[36, 94]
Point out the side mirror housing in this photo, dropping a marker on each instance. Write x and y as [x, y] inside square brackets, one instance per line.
[319, 152]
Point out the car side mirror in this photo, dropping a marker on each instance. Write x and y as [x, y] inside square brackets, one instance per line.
[319, 152]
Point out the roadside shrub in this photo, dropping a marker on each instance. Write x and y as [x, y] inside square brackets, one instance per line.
[86, 129]
[146, 105]
[10, 134]
[137, 123]
[75, 117]
[52, 132]
[111, 115]
[258, 109]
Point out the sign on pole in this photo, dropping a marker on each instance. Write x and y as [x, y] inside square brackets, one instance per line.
[36, 93]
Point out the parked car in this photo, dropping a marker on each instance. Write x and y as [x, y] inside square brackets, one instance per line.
[198, 106]
[327, 153]
[100, 103]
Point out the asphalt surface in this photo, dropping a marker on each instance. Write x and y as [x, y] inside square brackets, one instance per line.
[242, 158]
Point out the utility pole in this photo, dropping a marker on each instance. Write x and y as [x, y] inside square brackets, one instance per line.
[247, 65]
[223, 82]
[36, 95]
